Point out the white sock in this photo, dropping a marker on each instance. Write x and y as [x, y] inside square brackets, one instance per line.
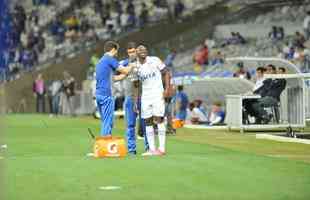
[150, 137]
[162, 136]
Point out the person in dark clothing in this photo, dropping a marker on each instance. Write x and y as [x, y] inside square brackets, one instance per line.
[69, 90]
[258, 89]
[270, 93]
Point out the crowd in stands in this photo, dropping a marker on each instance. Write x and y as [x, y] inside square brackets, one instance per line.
[210, 55]
[26, 35]
[32, 43]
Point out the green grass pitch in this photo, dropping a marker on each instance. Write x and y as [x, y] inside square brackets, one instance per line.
[46, 160]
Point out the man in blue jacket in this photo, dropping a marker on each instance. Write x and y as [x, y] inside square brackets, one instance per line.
[105, 69]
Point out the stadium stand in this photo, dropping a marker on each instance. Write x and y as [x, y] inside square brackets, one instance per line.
[43, 36]
[184, 40]
[259, 43]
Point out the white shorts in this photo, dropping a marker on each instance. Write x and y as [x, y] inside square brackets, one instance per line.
[152, 107]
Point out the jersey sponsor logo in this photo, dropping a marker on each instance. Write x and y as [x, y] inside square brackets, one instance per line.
[144, 77]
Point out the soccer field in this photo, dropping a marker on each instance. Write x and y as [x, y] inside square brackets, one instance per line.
[46, 158]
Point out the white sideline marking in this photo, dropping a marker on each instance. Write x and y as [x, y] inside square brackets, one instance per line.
[191, 126]
[111, 187]
[90, 155]
[4, 146]
[282, 138]
[288, 156]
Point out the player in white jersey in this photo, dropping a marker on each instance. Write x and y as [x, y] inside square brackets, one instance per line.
[150, 71]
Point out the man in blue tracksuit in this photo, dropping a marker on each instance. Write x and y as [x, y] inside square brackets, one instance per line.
[104, 76]
[131, 87]
[181, 103]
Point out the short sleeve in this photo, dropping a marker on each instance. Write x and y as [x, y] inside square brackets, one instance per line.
[124, 63]
[160, 64]
[114, 63]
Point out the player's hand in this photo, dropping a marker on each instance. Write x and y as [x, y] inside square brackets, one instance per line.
[166, 93]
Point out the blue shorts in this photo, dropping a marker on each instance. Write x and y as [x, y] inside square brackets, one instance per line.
[105, 106]
[181, 115]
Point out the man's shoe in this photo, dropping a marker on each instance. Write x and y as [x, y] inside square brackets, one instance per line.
[151, 153]
[160, 153]
[132, 153]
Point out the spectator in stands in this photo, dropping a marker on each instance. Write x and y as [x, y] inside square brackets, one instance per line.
[72, 23]
[170, 58]
[69, 93]
[124, 21]
[27, 59]
[299, 55]
[242, 72]
[195, 116]
[306, 64]
[181, 102]
[306, 26]
[233, 40]
[85, 26]
[111, 25]
[117, 5]
[58, 30]
[301, 58]
[217, 115]
[132, 20]
[273, 34]
[98, 6]
[201, 57]
[280, 34]
[160, 3]
[240, 38]
[299, 40]
[144, 16]
[286, 51]
[39, 93]
[218, 59]
[178, 9]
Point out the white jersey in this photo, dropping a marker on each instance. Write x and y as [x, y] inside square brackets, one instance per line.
[150, 76]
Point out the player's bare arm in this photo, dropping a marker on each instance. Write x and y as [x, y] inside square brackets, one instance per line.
[119, 77]
[136, 87]
[125, 70]
[167, 78]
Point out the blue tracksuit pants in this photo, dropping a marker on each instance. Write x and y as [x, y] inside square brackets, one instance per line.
[131, 118]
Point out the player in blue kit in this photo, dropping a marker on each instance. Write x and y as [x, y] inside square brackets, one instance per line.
[105, 69]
